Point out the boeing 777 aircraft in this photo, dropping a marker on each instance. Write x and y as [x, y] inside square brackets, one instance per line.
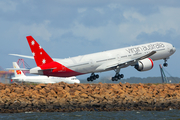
[140, 56]
[20, 77]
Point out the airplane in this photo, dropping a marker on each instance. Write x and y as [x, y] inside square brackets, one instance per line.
[142, 57]
[21, 77]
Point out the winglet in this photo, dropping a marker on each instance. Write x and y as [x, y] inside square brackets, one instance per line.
[40, 56]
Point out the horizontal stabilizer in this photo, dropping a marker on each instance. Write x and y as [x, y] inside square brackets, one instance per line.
[24, 56]
[30, 57]
[50, 69]
[17, 69]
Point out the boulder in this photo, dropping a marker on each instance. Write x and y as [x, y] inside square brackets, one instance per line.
[27, 93]
[91, 97]
[43, 91]
[2, 86]
[18, 90]
[39, 86]
[83, 95]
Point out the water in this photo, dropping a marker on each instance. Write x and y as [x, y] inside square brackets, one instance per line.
[86, 115]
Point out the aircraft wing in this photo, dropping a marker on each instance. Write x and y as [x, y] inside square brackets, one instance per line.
[132, 62]
[31, 57]
[123, 63]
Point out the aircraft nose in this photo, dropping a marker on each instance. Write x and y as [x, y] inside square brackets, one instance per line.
[173, 50]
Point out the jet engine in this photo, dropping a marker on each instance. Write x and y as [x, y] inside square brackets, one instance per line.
[144, 65]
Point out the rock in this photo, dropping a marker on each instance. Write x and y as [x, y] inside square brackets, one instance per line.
[19, 90]
[15, 105]
[42, 102]
[83, 95]
[13, 95]
[90, 97]
[39, 86]
[66, 88]
[7, 91]
[172, 87]
[27, 93]
[2, 86]
[43, 91]
[128, 85]
[57, 89]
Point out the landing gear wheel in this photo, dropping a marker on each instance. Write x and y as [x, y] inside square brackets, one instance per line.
[165, 64]
[117, 75]
[88, 79]
[113, 79]
[122, 76]
[92, 77]
[97, 76]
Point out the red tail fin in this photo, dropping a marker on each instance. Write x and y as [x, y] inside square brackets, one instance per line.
[40, 56]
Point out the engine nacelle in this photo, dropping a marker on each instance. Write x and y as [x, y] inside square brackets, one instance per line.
[144, 65]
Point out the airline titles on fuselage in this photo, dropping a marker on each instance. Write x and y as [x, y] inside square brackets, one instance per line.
[144, 48]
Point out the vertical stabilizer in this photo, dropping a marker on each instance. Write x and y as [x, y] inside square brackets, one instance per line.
[17, 73]
[40, 56]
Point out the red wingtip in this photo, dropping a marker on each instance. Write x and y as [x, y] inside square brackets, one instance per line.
[40, 56]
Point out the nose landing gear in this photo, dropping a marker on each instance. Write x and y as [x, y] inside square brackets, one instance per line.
[165, 62]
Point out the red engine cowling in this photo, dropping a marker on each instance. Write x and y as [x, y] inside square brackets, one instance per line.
[144, 65]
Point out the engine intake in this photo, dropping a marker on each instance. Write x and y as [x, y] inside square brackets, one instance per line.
[144, 65]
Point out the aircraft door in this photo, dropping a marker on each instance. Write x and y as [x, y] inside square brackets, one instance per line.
[91, 63]
[118, 58]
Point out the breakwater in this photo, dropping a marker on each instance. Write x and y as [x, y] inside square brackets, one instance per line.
[63, 97]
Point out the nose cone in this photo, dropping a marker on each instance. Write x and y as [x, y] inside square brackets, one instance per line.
[172, 50]
[77, 81]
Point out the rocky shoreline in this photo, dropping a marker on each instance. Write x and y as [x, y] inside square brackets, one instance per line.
[63, 97]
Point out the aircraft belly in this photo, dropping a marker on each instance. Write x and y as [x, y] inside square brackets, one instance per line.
[45, 80]
[84, 69]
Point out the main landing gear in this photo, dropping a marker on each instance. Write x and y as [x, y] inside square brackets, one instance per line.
[165, 62]
[93, 77]
[117, 75]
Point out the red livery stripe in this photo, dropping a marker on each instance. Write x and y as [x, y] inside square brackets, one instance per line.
[151, 62]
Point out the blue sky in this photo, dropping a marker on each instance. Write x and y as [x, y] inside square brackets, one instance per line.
[67, 28]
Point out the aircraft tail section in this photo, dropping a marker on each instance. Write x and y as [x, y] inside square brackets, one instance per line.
[17, 73]
[40, 56]
[45, 64]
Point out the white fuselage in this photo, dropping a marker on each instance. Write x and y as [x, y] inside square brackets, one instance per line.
[102, 61]
[45, 79]
[91, 62]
